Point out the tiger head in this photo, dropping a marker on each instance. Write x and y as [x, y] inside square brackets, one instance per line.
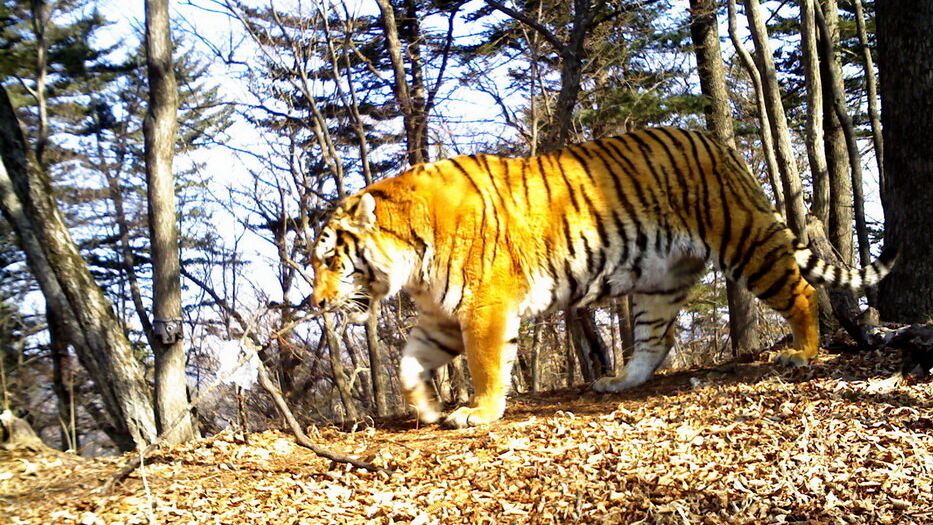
[353, 263]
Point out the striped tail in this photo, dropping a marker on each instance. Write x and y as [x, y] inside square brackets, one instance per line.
[818, 271]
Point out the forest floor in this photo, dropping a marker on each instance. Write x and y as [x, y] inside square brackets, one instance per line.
[843, 441]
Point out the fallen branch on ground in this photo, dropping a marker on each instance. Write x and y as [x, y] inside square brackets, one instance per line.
[300, 435]
[133, 463]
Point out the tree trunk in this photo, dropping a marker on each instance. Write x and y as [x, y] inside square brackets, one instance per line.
[40, 21]
[377, 367]
[787, 164]
[339, 374]
[26, 199]
[58, 347]
[400, 83]
[905, 64]
[411, 32]
[591, 351]
[837, 156]
[794, 203]
[626, 330]
[704, 28]
[171, 394]
[535, 359]
[572, 56]
[871, 86]
[767, 141]
[838, 101]
[816, 148]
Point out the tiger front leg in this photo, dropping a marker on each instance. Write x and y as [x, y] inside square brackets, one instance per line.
[490, 340]
[433, 343]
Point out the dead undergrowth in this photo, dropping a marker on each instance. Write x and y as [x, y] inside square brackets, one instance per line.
[839, 442]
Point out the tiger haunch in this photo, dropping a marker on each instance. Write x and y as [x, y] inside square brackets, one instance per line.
[481, 241]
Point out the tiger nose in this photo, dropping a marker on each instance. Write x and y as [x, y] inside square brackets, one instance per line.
[318, 301]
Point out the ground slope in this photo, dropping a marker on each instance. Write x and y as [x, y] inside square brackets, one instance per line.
[838, 442]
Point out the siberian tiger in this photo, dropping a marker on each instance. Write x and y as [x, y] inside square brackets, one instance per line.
[481, 241]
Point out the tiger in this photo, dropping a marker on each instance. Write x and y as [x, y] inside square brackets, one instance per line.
[481, 241]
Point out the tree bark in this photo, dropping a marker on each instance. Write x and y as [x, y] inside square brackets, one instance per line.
[411, 32]
[838, 100]
[26, 200]
[767, 141]
[837, 156]
[816, 148]
[905, 64]
[626, 330]
[171, 393]
[535, 359]
[377, 369]
[840, 301]
[40, 21]
[704, 28]
[871, 86]
[58, 348]
[787, 164]
[591, 351]
[572, 56]
[340, 376]
[400, 83]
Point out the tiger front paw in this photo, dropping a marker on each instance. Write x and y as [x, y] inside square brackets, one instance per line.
[465, 417]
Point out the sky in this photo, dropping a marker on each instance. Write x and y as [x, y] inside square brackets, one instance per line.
[201, 22]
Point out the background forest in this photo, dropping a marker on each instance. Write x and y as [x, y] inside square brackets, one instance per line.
[283, 108]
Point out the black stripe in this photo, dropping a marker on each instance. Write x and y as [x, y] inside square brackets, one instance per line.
[648, 157]
[544, 177]
[726, 214]
[568, 238]
[619, 224]
[752, 249]
[492, 205]
[701, 211]
[837, 279]
[574, 285]
[426, 338]
[681, 178]
[555, 158]
[812, 261]
[641, 240]
[590, 256]
[789, 305]
[600, 222]
[681, 181]
[463, 278]
[777, 285]
[524, 164]
[743, 240]
[767, 264]
[681, 297]
[583, 164]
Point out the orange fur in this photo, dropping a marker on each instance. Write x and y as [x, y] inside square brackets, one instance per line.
[480, 241]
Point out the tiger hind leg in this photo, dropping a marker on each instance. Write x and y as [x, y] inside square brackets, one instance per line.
[781, 286]
[431, 344]
[655, 317]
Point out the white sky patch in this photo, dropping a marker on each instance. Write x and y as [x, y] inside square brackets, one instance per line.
[237, 364]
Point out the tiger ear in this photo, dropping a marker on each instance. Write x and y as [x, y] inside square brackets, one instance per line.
[365, 214]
